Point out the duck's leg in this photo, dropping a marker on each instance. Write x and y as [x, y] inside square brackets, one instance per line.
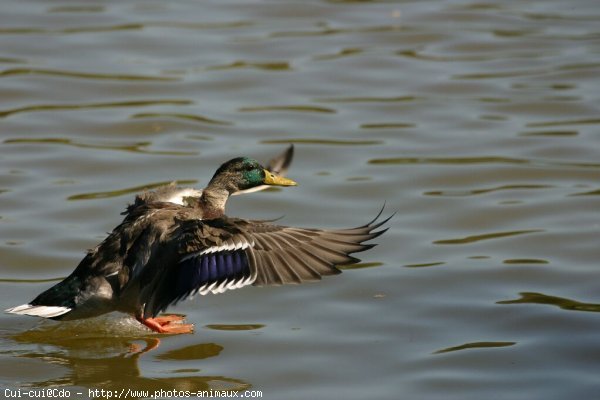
[167, 324]
[151, 344]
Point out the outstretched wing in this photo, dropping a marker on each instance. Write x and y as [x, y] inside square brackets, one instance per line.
[228, 253]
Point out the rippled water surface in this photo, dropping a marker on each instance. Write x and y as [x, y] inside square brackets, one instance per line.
[478, 122]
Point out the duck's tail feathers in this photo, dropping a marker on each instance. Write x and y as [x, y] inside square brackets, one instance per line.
[38, 311]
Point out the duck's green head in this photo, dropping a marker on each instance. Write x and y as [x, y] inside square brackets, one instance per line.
[245, 173]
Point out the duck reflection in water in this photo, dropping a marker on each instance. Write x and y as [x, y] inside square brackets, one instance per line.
[96, 359]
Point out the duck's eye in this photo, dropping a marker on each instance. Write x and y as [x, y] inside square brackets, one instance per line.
[249, 167]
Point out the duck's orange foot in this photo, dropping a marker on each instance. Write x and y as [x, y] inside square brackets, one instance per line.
[171, 324]
[166, 319]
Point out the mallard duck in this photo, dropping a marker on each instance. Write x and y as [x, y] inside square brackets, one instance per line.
[174, 243]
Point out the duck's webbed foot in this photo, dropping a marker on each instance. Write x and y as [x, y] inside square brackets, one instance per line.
[170, 324]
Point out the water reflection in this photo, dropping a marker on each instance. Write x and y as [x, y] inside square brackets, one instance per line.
[525, 261]
[200, 25]
[293, 108]
[500, 74]
[480, 160]
[139, 147]
[564, 303]
[327, 142]
[83, 75]
[129, 190]
[550, 133]
[89, 106]
[235, 327]
[421, 265]
[420, 55]
[590, 193]
[12, 280]
[189, 117]
[194, 352]
[461, 193]
[74, 30]
[360, 265]
[97, 357]
[368, 99]
[442, 101]
[485, 236]
[585, 121]
[388, 125]
[268, 66]
[76, 9]
[326, 31]
[340, 54]
[475, 345]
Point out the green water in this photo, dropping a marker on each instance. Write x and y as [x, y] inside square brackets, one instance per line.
[477, 122]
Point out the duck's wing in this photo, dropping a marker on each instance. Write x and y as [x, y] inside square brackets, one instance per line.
[218, 255]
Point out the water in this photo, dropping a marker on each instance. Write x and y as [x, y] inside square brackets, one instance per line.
[476, 122]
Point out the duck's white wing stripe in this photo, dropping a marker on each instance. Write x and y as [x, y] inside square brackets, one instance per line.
[205, 289]
[226, 247]
[221, 288]
[241, 244]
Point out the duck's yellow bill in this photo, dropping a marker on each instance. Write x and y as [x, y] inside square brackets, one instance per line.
[276, 180]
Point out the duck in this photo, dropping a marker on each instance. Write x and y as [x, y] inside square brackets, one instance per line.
[174, 243]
